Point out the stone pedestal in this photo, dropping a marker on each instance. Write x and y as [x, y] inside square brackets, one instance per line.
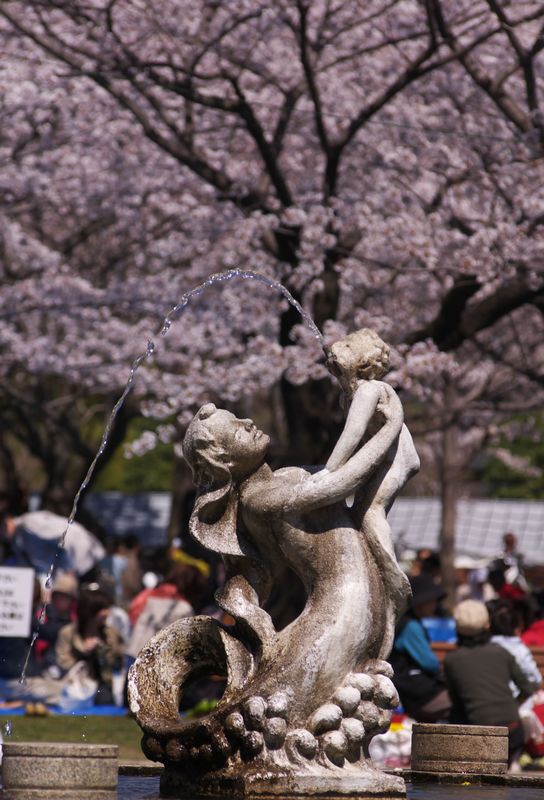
[54, 771]
[470, 749]
[363, 784]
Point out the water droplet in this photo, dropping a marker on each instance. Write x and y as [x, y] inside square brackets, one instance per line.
[49, 582]
[150, 349]
[167, 324]
[7, 728]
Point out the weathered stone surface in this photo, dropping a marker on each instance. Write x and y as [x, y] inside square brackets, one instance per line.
[471, 749]
[254, 710]
[347, 698]
[235, 725]
[278, 705]
[275, 731]
[326, 718]
[298, 701]
[353, 730]
[301, 745]
[363, 683]
[368, 783]
[35, 770]
[385, 693]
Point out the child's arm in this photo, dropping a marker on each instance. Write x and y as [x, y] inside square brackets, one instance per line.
[280, 496]
[362, 407]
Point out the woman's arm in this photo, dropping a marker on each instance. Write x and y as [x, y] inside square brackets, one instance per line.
[324, 488]
[114, 647]
[414, 642]
[362, 407]
[524, 684]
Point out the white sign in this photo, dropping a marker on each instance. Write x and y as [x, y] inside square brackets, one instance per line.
[16, 596]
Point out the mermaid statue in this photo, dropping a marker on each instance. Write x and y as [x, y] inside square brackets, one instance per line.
[301, 704]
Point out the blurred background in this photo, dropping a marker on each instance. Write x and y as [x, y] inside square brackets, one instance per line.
[383, 160]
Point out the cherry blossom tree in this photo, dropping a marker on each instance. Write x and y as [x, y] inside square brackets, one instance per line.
[382, 159]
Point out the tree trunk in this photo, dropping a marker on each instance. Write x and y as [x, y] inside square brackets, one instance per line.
[448, 497]
[181, 486]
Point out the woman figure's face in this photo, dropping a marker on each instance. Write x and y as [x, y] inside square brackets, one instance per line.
[244, 444]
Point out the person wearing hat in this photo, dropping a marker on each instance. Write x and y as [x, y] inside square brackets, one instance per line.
[418, 673]
[60, 611]
[478, 674]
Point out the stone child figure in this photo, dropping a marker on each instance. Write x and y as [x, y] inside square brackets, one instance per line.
[359, 361]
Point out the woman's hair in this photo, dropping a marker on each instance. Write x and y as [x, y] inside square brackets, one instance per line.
[89, 603]
[475, 640]
[189, 582]
[205, 460]
[503, 618]
[213, 522]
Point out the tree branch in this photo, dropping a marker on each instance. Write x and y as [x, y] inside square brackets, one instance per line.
[456, 321]
[310, 77]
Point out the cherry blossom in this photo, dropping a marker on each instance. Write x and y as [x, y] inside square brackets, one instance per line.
[383, 160]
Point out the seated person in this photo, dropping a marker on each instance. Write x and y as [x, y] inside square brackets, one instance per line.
[131, 576]
[478, 675]
[533, 635]
[23, 545]
[60, 611]
[155, 609]
[418, 674]
[505, 631]
[93, 641]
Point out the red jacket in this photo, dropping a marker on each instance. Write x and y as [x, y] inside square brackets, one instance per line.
[534, 635]
[165, 590]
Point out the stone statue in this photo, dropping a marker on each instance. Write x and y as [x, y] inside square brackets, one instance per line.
[301, 704]
[359, 361]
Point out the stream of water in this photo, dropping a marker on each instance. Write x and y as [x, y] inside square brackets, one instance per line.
[171, 317]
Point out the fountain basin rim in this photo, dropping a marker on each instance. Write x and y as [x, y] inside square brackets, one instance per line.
[465, 730]
[60, 749]
[498, 779]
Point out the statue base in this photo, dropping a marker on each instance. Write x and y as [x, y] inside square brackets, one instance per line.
[58, 770]
[369, 783]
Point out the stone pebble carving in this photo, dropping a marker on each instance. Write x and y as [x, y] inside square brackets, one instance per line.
[301, 704]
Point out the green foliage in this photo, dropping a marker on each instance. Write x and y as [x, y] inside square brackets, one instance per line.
[150, 472]
[203, 707]
[527, 442]
[122, 731]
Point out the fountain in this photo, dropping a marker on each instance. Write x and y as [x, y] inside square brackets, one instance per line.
[301, 704]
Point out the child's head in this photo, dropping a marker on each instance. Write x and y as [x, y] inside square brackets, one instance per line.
[361, 356]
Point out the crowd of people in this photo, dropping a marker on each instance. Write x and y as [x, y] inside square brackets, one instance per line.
[88, 629]
[490, 677]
